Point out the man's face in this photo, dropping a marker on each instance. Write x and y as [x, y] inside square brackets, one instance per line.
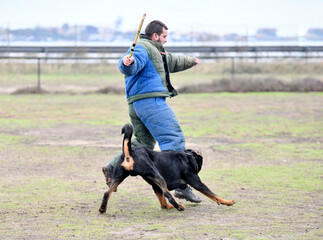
[162, 38]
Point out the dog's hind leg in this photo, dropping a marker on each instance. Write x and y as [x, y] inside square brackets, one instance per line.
[107, 194]
[196, 183]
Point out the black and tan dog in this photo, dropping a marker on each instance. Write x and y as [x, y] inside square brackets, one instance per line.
[165, 171]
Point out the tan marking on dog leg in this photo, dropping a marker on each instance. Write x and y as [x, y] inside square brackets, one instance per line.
[219, 200]
[128, 161]
[163, 202]
[161, 183]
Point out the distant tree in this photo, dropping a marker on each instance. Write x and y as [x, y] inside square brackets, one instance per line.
[65, 27]
[37, 34]
[268, 32]
[315, 31]
[232, 37]
[91, 29]
[315, 34]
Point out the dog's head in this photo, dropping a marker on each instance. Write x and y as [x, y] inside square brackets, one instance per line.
[198, 159]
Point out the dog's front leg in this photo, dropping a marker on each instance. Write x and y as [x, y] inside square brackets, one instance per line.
[217, 199]
[170, 198]
[162, 185]
[162, 201]
[104, 204]
[160, 196]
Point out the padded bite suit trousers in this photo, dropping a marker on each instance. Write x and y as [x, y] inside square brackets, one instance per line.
[153, 120]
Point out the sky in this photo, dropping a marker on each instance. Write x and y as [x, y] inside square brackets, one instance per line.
[290, 17]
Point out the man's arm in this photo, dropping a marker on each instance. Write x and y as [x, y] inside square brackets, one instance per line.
[178, 63]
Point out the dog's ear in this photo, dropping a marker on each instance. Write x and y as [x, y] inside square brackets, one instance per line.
[197, 164]
[199, 159]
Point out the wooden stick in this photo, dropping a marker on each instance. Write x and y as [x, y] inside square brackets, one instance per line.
[138, 32]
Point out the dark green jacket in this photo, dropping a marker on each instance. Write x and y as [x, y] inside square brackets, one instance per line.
[146, 77]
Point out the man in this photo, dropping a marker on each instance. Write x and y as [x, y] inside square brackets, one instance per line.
[147, 86]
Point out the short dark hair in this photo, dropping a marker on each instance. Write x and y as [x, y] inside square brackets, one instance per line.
[154, 27]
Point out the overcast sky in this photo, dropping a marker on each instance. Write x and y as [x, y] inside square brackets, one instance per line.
[290, 16]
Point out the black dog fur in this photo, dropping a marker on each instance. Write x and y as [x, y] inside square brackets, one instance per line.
[164, 171]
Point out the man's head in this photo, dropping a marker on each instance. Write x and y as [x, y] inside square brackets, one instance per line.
[157, 31]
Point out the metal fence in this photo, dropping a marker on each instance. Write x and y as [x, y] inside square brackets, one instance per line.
[185, 49]
[41, 54]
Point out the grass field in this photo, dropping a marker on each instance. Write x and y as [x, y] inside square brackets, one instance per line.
[263, 150]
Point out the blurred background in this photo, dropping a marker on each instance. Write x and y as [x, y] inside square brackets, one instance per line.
[73, 46]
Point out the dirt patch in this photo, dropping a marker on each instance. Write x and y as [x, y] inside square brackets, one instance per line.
[110, 89]
[238, 84]
[30, 90]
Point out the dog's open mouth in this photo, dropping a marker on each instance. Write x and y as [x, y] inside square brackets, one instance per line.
[108, 180]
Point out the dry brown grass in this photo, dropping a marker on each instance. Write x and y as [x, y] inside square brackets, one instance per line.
[77, 76]
[256, 85]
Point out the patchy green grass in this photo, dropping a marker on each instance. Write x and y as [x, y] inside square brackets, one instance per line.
[274, 151]
[262, 149]
[297, 177]
[29, 111]
[255, 119]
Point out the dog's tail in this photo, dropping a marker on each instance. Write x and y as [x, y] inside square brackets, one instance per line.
[128, 161]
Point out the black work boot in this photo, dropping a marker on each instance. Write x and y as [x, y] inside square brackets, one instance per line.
[187, 194]
[107, 171]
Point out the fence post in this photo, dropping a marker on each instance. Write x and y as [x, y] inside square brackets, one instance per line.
[38, 71]
[232, 68]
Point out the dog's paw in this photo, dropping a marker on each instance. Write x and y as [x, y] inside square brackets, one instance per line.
[232, 203]
[229, 203]
[180, 207]
[168, 206]
[102, 210]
